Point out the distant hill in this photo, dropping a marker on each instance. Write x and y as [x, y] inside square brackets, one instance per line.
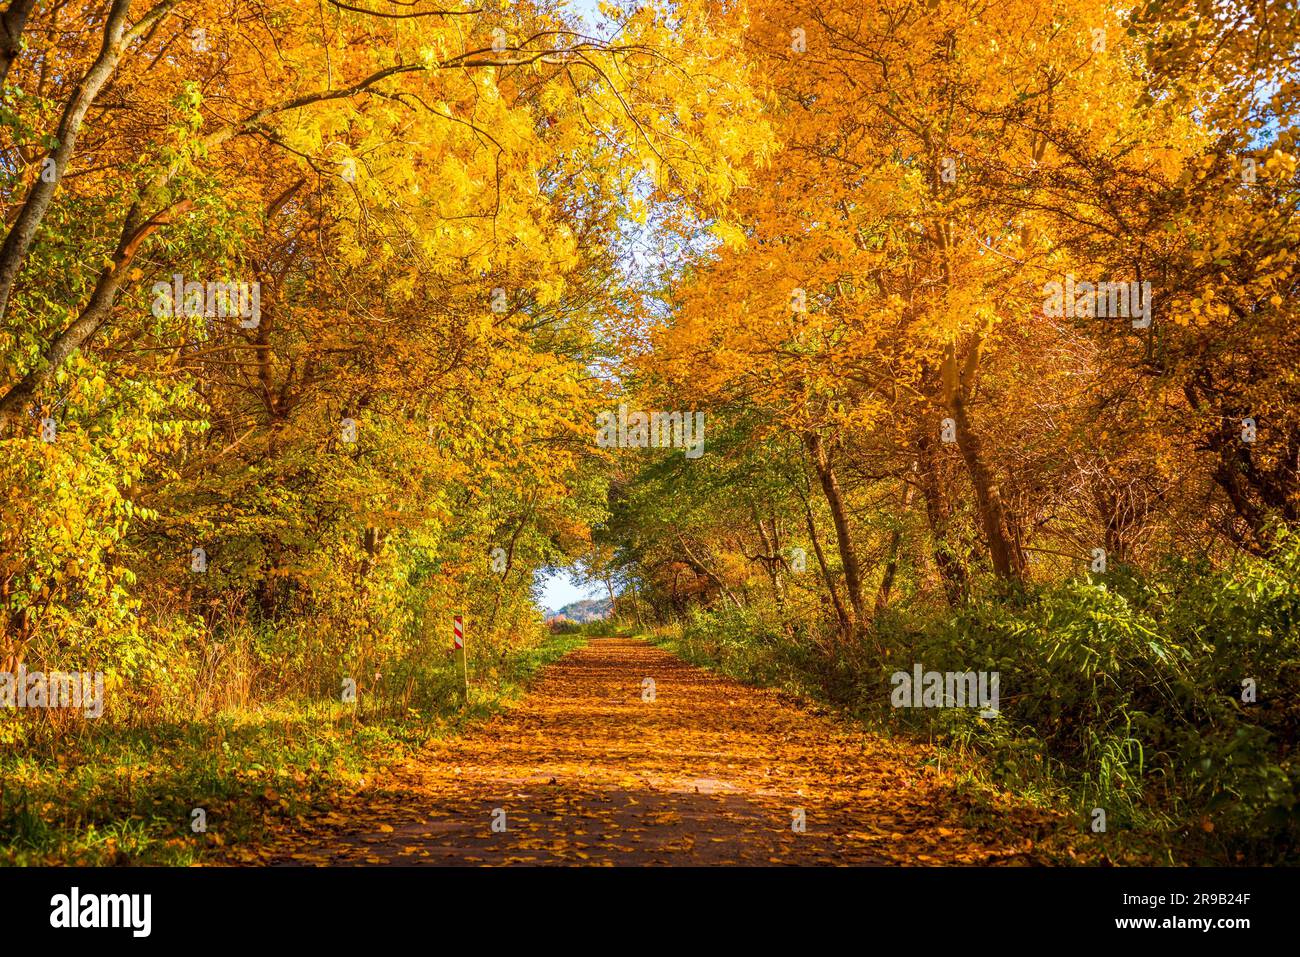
[589, 609]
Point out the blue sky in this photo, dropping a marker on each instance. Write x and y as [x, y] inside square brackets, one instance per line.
[587, 9]
[559, 589]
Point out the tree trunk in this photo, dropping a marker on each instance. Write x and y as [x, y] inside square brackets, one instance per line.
[841, 613]
[1005, 553]
[97, 310]
[12, 23]
[708, 573]
[34, 207]
[840, 517]
[938, 513]
[770, 558]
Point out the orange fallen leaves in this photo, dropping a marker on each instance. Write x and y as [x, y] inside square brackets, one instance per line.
[586, 772]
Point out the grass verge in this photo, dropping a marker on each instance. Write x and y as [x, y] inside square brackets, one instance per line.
[114, 794]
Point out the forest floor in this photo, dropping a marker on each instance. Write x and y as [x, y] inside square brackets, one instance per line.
[584, 770]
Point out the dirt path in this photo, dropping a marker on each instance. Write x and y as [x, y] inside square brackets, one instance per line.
[709, 772]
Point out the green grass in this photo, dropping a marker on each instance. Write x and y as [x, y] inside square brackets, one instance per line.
[124, 794]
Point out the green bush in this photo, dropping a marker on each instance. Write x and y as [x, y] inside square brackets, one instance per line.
[1135, 688]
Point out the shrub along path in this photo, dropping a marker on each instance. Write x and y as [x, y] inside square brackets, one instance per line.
[585, 771]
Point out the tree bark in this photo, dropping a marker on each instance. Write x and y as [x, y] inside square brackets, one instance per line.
[938, 513]
[1004, 552]
[34, 207]
[12, 23]
[841, 613]
[708, 573]
[97, 310]
[770, 558]
[840, 517]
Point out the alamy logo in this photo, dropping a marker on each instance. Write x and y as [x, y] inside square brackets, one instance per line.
[1101, 300]
[226, 300]
[103, 910]
[946, 689]
[657, 430]
[58, 689]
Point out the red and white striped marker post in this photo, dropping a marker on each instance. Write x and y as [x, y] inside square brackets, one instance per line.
[458, 645]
